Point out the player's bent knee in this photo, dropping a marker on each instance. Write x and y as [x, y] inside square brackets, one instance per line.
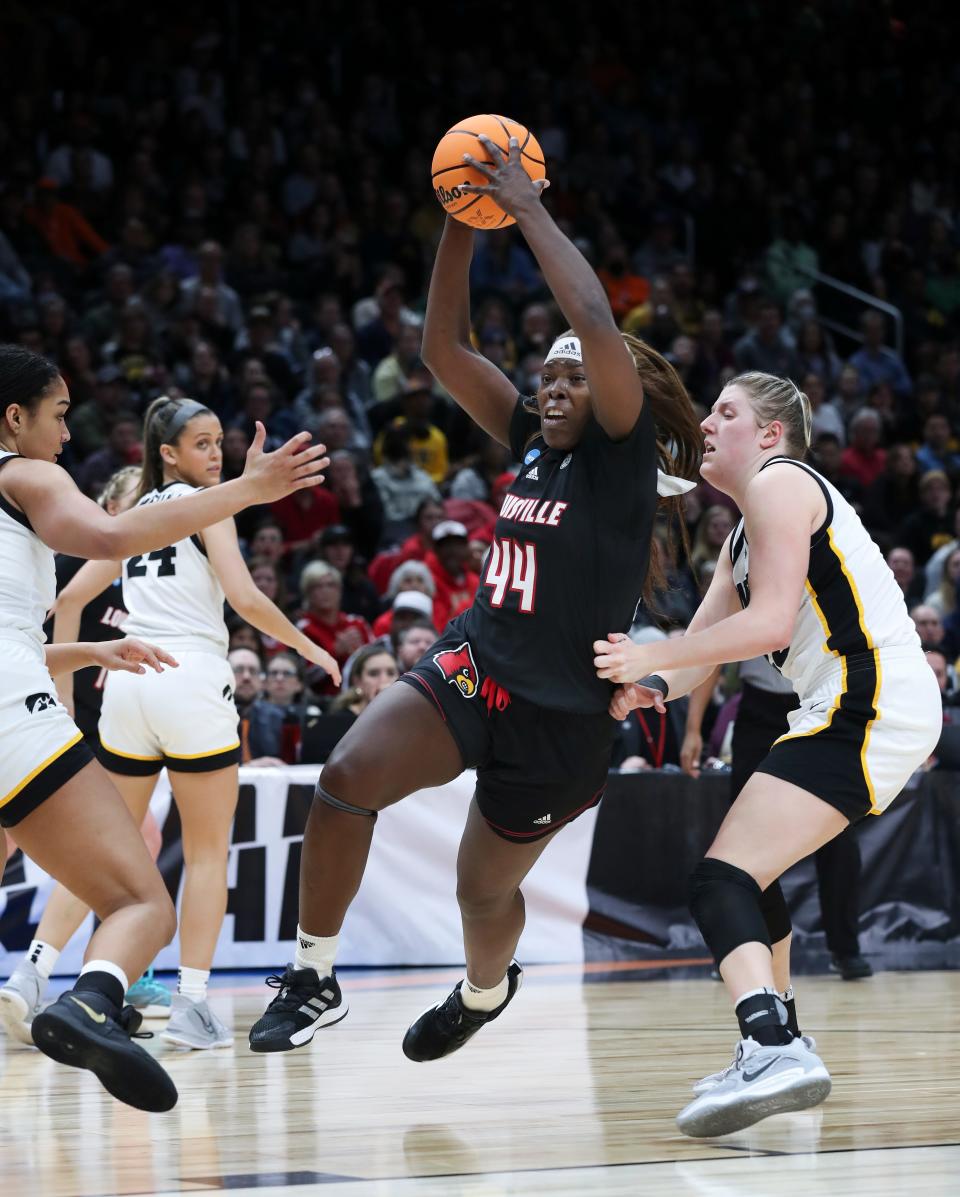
[726, 905]
[776, 915]
[481, 904]
[323, 795]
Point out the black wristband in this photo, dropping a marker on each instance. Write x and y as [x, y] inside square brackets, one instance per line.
[653, 681]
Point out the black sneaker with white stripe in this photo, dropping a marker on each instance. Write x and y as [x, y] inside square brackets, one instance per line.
[304, 1004]
[447, 1026]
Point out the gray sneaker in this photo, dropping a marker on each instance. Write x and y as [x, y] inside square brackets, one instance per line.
[194, 1024]
[21, 998]
[762, 1081]
[705, 1084]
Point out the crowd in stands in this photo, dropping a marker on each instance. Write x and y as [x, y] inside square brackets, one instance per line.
[248, 221]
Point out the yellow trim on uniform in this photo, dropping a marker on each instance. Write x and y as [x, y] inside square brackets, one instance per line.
[130, 756]
[866, 739]
[195, 756]
[40, 768]
[830, 651]
[876, 662]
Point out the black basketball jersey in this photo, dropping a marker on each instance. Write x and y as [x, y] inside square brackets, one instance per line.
[567, 563]
[101, 620]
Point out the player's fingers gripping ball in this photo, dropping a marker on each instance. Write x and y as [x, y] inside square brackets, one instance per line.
[451, 174]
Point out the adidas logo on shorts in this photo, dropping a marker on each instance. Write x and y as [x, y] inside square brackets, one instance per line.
[543, 819]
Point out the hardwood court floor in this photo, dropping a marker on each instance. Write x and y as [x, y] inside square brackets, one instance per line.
[573, 1092]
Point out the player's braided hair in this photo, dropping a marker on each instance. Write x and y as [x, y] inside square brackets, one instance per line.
[679, 449]
[165, 420]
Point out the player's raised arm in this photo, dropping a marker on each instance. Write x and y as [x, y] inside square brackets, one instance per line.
[68, 522]
[615, 389]
[482, 390]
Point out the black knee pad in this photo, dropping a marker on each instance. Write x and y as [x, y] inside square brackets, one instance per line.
[775, 913]
[347, 807]
[725, 904]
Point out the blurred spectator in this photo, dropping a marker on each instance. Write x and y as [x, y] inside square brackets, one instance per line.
[790, 261]
[455, 583]
[402, 485]
[877, 363]
[894, 494]
[937, 450]
[826, 417]
[324, 621]
[210, 275]
[407, 607]
[863, 460]
[943, 600]
[625, 290]
[360, 506]
[378, 336]
[767, 348]
[928, 623]
[503, 265]
[260, 720]
[122, 448]
[931, 525]
[908, 578]
[427, 443]
[934, 567]
[337, 547]
[90, 426]
[373, 670]
[305, 513]
[413, 642]
[394, 371]
[828, 455]
[816, 357]
[66, 231]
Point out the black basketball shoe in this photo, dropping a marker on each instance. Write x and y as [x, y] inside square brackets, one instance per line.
[84, 1029]
[447, 1026]
[304, 1004]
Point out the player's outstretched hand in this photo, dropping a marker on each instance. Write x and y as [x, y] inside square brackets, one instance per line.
[315, 654]
[618, 659]
[296, 465]
[627, 698]
[132, 656]
[509, 184]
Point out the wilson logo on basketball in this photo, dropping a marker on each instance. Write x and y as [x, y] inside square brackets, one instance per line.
[445, 196]
[459, 668]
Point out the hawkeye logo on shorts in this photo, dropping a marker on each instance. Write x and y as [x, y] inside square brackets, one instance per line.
[39, 702]
[459, 668]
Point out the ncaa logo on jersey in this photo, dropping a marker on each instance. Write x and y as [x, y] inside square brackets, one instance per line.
[39, 702]
[459, 669]
[531, 456]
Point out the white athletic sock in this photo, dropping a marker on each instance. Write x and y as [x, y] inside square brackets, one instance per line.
[753, 993]
[475, 998]
[316, 951]
[43, 956]
[192, 983]
[106, 966]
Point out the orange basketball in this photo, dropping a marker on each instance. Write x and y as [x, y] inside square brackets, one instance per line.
[450, 172]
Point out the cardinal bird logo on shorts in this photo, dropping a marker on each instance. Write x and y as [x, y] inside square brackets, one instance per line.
[459, 669]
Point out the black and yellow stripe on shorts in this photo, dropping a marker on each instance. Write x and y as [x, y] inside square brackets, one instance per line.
[127, 764]
[44, 780]
[837, 772]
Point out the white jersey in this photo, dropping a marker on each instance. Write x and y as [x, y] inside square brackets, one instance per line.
[174, 598]
[28, 580]
[852, 605]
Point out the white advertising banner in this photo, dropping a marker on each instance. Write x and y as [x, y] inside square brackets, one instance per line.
[405, 913]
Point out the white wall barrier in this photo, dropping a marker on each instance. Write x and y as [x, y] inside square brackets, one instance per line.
[405, 912]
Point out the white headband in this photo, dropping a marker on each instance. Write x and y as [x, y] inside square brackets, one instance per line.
[668, 486]
[568, 347]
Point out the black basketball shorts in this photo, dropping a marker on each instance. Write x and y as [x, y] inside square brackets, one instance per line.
[537, 769]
